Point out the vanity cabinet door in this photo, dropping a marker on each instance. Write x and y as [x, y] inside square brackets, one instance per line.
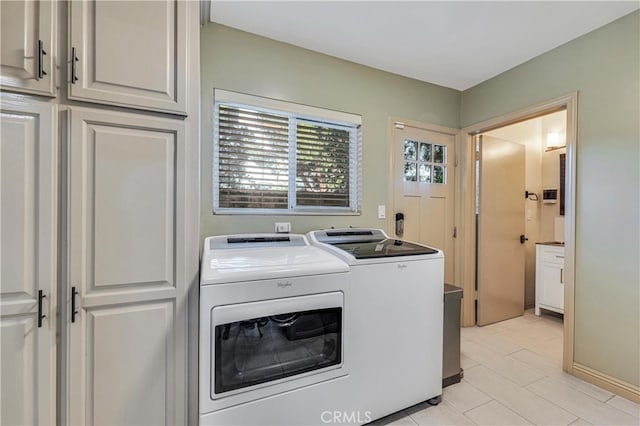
[552, 291]
[549, 278]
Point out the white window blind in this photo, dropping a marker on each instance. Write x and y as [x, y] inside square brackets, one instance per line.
[279, 161]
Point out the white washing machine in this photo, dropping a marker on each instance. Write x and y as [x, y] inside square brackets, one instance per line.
[396, 308]
[273, 327]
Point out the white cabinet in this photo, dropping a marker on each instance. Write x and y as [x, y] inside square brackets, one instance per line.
[28, 46]
[127, 245]
[121, 245]
[130, 53]
[549, 278]
[28, 230]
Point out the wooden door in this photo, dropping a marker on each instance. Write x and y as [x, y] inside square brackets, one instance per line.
[424, 170]
[130, 53]
[28, 231]
[501, 222]
[127, 269]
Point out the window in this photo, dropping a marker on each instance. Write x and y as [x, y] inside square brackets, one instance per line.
[424, 162]
[277, 157]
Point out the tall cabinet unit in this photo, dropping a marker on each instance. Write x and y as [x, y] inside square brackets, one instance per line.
[28, 277]
[126, 170]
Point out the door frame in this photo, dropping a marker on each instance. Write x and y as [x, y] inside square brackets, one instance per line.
[457, 184]
[465, 269]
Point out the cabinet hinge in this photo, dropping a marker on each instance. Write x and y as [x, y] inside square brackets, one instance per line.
[399, 125]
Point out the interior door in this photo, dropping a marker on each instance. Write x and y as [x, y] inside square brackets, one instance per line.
[423, 164]
[501, 222]
[28, 231]
[127, 269]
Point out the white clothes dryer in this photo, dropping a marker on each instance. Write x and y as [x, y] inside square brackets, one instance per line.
[273, 327]
[396, 308]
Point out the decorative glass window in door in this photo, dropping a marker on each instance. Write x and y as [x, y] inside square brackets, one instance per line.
[425, 162]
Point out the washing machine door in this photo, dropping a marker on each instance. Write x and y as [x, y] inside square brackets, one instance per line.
[267, 347]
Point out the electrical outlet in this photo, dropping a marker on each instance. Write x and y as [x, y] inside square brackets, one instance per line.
[382, 211]
[283, 227]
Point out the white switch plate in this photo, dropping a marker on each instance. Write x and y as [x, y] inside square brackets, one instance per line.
[382, 211]
[283, 227]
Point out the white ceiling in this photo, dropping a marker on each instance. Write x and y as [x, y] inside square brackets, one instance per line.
[456, 44]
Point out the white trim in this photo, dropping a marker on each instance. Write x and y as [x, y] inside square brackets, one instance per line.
[302, 111]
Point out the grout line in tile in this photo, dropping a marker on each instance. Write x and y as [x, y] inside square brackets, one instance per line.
[536, 381]
[610, 398]
[483, 404]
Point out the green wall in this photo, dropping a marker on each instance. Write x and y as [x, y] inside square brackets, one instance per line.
[242, 62]
[604, 67]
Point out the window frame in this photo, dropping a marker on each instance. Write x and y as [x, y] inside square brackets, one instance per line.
[295, 113]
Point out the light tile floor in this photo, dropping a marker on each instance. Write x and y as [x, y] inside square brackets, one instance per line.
[513, 376]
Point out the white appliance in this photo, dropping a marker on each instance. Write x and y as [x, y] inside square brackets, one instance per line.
[272, 331]
[397, 298]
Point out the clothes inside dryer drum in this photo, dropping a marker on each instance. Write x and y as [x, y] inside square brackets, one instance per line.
[260, 350]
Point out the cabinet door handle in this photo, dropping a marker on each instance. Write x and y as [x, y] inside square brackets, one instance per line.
[561, 275]
[41, 316]
[74, 311]
[74, 66]
[41, 53]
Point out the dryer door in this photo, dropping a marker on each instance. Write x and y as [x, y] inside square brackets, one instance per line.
[260, 344]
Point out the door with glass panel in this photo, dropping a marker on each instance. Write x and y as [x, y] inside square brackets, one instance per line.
[423, 170]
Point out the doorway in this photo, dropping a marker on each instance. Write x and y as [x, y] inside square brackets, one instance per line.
[467, 241]
[520, 206]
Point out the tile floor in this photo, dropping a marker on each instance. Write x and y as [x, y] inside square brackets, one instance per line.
[513, 376]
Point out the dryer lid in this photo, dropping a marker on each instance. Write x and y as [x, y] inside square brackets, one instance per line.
[251, 257]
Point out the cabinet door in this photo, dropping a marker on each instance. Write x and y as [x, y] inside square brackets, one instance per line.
[552, 291]
[28, 252]
[127, 242]
[130, 53]
[28, 46]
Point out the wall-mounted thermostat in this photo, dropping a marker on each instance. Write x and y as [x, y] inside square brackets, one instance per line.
[549, 196]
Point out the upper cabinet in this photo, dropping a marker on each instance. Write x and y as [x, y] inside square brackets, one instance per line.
[131, 54]
[28, 46]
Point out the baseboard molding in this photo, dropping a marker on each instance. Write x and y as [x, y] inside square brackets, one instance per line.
[617, 386]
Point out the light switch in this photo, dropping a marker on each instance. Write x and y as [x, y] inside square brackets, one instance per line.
[382, 211]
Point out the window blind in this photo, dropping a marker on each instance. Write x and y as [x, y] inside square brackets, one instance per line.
[268, 160]
[322, 165]
[253, 159]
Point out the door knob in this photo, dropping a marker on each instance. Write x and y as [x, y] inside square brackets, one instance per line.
[523, 239]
